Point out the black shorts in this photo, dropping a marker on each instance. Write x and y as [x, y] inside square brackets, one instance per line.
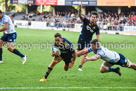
[66, 57]
[83, 44]
[122, 62]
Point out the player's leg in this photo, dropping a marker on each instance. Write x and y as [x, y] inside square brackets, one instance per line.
[50, 67]
[1, 43]
[82, 62]
[131, 65]
[107, 67]
[69, 59]
[66, 67]
[124, 62]
[80, 47]
[10, 47]
[3, 38]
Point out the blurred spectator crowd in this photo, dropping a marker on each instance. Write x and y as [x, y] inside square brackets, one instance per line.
[106, 21]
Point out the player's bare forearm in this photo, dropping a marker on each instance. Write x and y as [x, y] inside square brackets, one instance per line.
[2, 29]
[93, 58]
[98, 36]
[85, 51]
[79, 13]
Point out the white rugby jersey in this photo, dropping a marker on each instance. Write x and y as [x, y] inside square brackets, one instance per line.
[6, 20]
[107, 55]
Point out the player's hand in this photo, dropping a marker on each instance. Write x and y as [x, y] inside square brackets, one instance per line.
[80, 5]
[70, 65]
[54, 53]
[77, 54]
[85, 59]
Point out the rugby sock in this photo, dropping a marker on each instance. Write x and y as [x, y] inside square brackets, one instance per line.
[15, 51]
[80, 66]
[48, 72]
[1, 54]
[116, 70]
[46, 75]
[112, 69]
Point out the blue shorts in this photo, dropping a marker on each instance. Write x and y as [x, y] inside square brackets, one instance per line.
[9, 37]
[83, 44]
[122, 62]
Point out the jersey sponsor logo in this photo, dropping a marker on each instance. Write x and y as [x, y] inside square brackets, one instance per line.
[93, 27]
[89, 24]
[89, 28]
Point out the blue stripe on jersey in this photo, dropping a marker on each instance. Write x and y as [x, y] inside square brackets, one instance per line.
[89, 49]
[5, 20]
[100, 52]
[67, 41]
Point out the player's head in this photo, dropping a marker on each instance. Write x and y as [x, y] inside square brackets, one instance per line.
[0, 14]
[57, 38]
[95, 44]
[93, 17]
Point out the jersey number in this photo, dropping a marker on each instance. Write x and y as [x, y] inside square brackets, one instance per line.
[89, 28]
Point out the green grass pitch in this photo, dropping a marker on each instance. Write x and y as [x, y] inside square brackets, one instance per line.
[14, 74]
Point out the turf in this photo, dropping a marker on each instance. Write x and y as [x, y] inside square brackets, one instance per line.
[32, 42]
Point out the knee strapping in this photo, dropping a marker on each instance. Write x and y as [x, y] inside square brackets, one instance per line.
[129, 65]
[107, 68]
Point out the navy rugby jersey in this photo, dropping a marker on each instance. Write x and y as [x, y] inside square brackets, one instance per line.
[88, 30]
[65, 47]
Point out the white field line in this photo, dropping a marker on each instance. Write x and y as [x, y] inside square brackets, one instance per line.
[67, 88]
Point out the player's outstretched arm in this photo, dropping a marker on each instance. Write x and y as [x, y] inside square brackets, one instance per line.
[93, 58]
[5, 27]
[79, 12]
[98, 36]
[85, 51]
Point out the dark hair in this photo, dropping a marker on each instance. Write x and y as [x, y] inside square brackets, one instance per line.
[94, 13]
[57, 35]
[0, 12]
[95, 42]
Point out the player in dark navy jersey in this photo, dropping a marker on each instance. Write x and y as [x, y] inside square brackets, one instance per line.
[88, 30]
[68, 54]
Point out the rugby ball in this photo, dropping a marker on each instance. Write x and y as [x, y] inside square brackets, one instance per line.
[54, 49]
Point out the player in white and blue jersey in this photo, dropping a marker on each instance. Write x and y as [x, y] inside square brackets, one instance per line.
[9, 36]
[110, 58]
